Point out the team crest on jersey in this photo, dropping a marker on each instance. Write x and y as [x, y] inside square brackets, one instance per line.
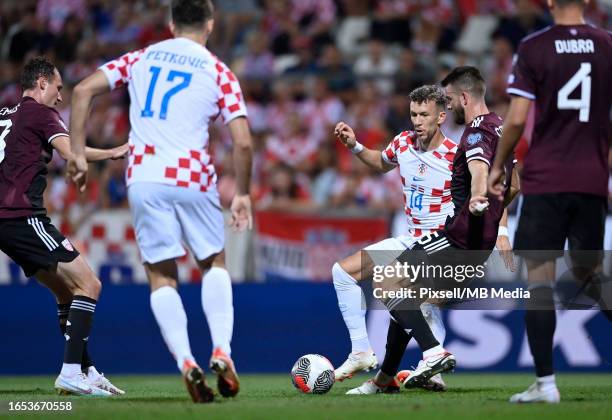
[474, 138]
[66, 244]
[422, 169]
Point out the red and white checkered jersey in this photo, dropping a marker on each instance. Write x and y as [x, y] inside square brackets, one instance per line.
[177, 88]
[426, 180]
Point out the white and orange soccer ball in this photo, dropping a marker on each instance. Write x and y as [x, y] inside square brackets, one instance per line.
[313, 374]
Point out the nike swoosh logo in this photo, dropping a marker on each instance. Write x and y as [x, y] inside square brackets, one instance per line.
[416, 178]
[433, 362]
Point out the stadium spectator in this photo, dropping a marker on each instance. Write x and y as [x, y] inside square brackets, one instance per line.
[377, 64]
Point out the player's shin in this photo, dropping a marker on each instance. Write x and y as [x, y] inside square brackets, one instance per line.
[62, 314]
[218, 307]
[413, 320]
[78, 325]
[170, 315]
[397, 340]
[540, 322]
[433, 316]
[351, 306]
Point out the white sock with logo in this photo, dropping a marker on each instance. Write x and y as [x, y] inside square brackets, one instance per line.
[350, 304]
[170, 314]
[218, 307]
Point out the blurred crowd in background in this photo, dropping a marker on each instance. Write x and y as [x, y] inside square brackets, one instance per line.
[303, 65]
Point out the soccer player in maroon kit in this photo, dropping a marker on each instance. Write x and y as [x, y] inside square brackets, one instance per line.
[566, 70]
[29, 132]
[473, 227]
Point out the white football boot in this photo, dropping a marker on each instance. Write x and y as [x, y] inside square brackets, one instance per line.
[355, 363]
[435, 383]
[426, 369]
[370, 387]
[537, 394]
[78, 385]
[98, 380]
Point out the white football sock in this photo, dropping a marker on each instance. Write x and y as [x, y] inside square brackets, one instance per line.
[170, 314]
[70, 369]
[349, 301]
[547, 382]
[218, 307]
[433, 316]
[433, 351]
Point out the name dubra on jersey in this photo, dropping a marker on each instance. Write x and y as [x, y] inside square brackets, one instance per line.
[575, 46]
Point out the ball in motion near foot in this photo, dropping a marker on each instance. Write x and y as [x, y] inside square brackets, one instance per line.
[313, 374]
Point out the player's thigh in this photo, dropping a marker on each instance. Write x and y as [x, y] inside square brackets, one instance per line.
[543, 226]
[158, 232]
[35, 244]
[586, 233]
[361, 264]
[52, 281]
[201, 220]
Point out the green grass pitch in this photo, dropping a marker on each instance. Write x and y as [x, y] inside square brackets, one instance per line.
[470, 396]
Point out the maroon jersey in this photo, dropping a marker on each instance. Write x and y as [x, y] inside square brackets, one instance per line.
[26, 132]
[479, 142]
[567, 71]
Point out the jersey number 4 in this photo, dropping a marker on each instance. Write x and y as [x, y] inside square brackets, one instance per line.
[581, 78]
[6, 128]
[147, 112]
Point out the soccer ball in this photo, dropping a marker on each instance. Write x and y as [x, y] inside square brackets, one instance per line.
[313, 374]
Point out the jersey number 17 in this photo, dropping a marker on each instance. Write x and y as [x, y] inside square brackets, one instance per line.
[148, 112]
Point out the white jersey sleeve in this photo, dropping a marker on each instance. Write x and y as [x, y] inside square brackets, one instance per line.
[177, 89]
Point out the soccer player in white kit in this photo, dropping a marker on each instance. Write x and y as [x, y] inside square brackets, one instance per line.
[424, 157]
[177, 88]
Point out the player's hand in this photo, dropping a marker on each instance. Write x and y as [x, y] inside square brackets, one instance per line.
[76, 170]
[345, 134]
[120, 152]
[242, 216]
[505, 250]
[478, 205]
[495, 183]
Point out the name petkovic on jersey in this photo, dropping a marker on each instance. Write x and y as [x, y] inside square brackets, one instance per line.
[457, 293]
[170, 57]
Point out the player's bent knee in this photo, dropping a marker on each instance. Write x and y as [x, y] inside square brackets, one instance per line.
[351, 265]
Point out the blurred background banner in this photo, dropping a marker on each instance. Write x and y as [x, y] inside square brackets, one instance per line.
[275, 324]
[305, 246]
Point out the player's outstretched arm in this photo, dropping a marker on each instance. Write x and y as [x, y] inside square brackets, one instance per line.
[242, 217]
[511, 134]
[372, 158]
[62, 145]
[82, 96]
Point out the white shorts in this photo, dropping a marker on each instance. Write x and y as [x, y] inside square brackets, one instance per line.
[387, 250]
[166, 216]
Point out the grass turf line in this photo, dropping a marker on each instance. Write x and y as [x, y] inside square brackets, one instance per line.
[469, 396]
